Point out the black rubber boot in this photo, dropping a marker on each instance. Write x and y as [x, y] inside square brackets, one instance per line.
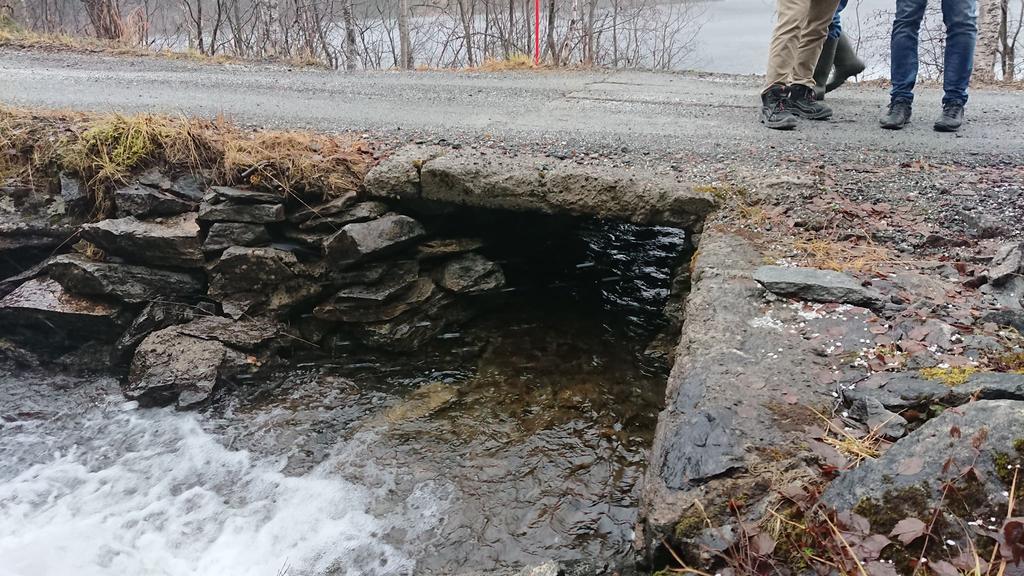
[847, 64]
[802, 103]
[897, 116]
[773, 108]
[824, 67]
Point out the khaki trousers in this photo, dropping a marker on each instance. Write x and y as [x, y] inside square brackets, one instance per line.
[797, 40]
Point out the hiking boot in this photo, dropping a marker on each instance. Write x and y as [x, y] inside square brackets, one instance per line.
[802, 103]
[952, 117]
[773, 109]
[847, 64]
[824, 67]
[898, 115]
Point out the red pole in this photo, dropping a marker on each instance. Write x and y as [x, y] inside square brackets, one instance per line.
[536, 32]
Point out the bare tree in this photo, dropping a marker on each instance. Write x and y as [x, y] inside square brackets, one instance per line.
[105, 17]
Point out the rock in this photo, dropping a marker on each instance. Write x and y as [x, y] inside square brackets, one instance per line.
[125, 282]
[386, 300]
[42, 314]
[330, 208]
[816, 285]
[244, 269]
[155, 316]
[361, 212]
[219, 194]
[170, 242]
[223, 235]
[20, 253]
[407, 331]
[184, 364]
[239, 212]
[1007, 262]
[470, 274]
[76, 200]
[1009, 294]
[910, 474]
[259, 280]
[1012, 318]
[373, 239]
[450, 247]
[873, 414]
[145, 202]
[537, 184]
[897, 392]
[705, 448]
[186, 186]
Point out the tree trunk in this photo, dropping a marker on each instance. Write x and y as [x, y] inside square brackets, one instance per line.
[466, 15]
[552, 44]
[105, 17]
[404, 42]
[986, 56]
[351, 51]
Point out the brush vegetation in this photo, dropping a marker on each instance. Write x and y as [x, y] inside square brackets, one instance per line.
[105, 151]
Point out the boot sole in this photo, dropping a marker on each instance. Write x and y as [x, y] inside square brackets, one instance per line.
[779, 125]
[820, 116]
[846, 76]
[943, 128]
[894, 126]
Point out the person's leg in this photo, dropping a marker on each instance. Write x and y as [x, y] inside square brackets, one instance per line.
[785, 38]
[961, 20]
[812, 38]
[836, 27]
[903, 48]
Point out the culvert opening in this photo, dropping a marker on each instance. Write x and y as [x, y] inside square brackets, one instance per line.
[518, 435]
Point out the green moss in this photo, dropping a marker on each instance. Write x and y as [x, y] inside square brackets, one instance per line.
[895, 505]
[949, 376]
[689, 526]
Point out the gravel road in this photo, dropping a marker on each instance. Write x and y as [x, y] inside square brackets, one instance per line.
[570, 111]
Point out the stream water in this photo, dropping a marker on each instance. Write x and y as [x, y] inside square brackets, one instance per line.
[517, 440]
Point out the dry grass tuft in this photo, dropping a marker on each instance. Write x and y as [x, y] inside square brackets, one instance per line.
[517, 61]
[841, 256]
[106, 150]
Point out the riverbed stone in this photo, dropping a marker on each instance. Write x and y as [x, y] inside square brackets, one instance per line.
[146, 202]
[155, 316]
[917, 465]
[373, 239]
[470, 274]
[447, 247]
[816, 285]
[125, 282]
[383, 301]
[183, 364]
[169, 242]
[241, 212]
[41, 313]
[409, 330]
[223, 235]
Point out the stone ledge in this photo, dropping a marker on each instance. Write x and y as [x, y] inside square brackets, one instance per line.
[537, 184]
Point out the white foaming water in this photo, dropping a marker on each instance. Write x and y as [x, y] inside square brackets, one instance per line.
[116, 491]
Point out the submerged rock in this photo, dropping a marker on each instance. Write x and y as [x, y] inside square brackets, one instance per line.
[470, 274]
[184, 364]
[410, 329]
[373, 239]
[816, 285]
[126, 282]
[144, 202]
[384, 301]
[170, 242]
[447, 247]
[41, 313]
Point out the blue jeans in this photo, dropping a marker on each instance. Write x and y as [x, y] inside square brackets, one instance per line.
[836, 27]
[961, 20]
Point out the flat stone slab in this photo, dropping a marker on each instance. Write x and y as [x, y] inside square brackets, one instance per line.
[42, 312]
[169, 242]
[125, 282]
[537, 184]
[816, 285]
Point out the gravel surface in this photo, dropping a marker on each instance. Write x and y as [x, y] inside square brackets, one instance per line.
[703, 128]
